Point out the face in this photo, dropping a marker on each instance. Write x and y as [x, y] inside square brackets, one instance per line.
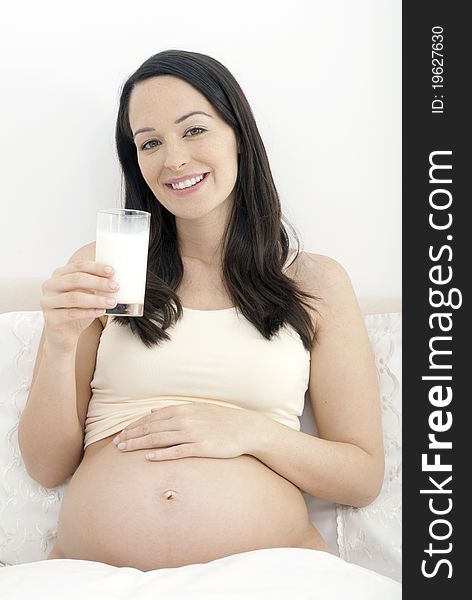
[178, 148]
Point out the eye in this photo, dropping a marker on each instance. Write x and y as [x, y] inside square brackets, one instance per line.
[146, 146]
[195, 129]
[143, 147]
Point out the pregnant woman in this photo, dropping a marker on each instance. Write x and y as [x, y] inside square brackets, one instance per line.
[237, 329]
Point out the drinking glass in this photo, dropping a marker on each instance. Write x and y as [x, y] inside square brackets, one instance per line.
[123, 242]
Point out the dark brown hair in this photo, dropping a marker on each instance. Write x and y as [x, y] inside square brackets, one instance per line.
[255, 242]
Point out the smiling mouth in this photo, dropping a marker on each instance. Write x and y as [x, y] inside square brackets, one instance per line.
[193, 187]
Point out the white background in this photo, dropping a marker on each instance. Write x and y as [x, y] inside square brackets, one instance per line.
[323, 80]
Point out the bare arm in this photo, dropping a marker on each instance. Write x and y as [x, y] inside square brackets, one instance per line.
[51, 427]
[49, 434]
[346, 463]
[334, 471]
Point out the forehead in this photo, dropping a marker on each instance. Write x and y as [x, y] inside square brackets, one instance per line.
[163, 99]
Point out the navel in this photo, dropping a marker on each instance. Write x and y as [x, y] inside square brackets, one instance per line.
[170, 495]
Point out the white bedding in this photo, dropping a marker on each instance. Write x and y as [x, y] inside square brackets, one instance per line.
[369, 537]
[272, 574]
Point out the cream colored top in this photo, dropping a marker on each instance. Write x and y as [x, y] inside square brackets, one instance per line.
[214, 356]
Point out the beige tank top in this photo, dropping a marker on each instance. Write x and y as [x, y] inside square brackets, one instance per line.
[214, 356]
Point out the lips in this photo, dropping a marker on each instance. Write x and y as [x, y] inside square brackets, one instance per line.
[183, 178]
[189, 190]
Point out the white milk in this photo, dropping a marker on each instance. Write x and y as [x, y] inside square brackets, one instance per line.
[127, 254]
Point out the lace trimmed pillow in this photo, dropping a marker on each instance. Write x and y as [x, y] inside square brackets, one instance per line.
[28, 511]
[372, 536]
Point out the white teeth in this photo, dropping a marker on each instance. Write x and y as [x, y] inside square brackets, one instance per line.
[187, 183]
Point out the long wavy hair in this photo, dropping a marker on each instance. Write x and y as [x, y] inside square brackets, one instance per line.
[255, 243]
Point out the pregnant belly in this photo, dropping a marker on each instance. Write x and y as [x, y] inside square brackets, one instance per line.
[123, 510]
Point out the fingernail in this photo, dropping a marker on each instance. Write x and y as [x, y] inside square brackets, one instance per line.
[122, 446]
[117, 439]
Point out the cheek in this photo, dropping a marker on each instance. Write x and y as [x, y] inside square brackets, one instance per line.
[225, 154]
[232, 164]
[148, 171]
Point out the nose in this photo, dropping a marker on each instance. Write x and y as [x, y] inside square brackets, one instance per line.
[176, 155]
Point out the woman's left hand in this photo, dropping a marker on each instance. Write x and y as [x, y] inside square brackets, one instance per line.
[204, 430]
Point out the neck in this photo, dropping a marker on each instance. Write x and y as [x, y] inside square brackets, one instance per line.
[200, 239]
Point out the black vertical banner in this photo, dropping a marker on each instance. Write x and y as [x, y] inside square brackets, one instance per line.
[437, 170]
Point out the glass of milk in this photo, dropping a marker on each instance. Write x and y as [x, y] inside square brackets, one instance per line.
[122, 242]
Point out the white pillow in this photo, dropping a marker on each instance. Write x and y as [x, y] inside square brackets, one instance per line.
[29, 512]
[372, 536]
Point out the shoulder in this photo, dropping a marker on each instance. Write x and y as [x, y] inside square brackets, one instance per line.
[326, 279]
[324, 275]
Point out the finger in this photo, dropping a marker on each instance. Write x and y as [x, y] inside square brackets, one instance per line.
[167, 412]
[162, 414]
[132, 433]
[135, 425]
[76, 299]
[78, 280]
[140, 428]
[174, 452]
[144, 427]
[154, 440]
[86, 266]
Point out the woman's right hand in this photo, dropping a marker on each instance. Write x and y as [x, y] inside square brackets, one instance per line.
[70, 299]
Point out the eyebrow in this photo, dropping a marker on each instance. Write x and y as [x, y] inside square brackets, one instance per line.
[179, 120]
